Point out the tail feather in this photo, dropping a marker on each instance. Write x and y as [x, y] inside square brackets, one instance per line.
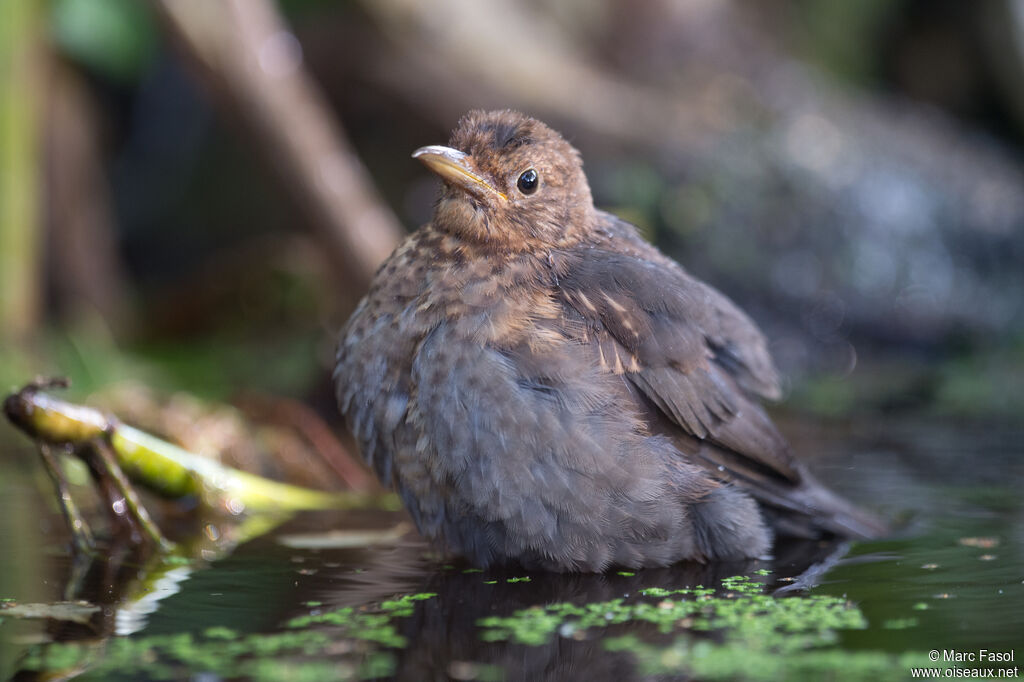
[829, 511]
[802, 508]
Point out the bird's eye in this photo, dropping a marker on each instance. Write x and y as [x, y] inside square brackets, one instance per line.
[528, 182]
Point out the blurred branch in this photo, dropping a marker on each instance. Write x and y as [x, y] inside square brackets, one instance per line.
[252, 66]
[296, 415]
[19, 167]
[86, 271]
[522, 57]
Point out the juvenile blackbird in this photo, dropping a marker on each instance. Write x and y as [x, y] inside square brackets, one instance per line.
[544, 387]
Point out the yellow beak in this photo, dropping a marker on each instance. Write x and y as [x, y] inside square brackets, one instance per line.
[454, 167]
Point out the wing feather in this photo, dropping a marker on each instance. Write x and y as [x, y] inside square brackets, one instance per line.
[689, 350]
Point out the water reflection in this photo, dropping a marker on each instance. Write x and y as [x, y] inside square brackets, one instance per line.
[950, 579]
[446, 630]
[441, 635]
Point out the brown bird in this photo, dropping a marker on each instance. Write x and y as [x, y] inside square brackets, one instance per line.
[544, 387]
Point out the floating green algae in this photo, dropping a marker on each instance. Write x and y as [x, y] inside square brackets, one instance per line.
[758, 636]
[376, 627]
[295, 654]
[218, 651]
[740, 606]
[732, 631]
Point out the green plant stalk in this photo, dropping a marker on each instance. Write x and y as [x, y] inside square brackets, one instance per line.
[103, 458]
[19, 167]
[175, 472]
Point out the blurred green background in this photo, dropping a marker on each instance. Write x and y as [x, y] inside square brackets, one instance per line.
[849, 172]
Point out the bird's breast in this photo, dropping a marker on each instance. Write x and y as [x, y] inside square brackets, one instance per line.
[498, 303]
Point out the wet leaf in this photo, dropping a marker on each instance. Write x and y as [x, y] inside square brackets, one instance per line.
[73, 611]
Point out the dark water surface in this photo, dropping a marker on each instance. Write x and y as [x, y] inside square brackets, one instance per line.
[951, 579]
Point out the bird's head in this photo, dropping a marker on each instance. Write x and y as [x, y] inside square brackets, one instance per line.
[510, 181]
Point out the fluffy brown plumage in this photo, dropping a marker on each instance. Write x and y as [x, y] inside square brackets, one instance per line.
[544, 387]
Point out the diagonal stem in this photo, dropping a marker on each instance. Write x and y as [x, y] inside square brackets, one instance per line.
[119, 491]
[82, 542]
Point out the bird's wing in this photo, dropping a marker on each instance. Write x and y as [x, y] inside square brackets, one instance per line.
[736, 340]
[685, 347]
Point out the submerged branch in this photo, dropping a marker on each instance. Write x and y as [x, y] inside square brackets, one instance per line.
[160, 466]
